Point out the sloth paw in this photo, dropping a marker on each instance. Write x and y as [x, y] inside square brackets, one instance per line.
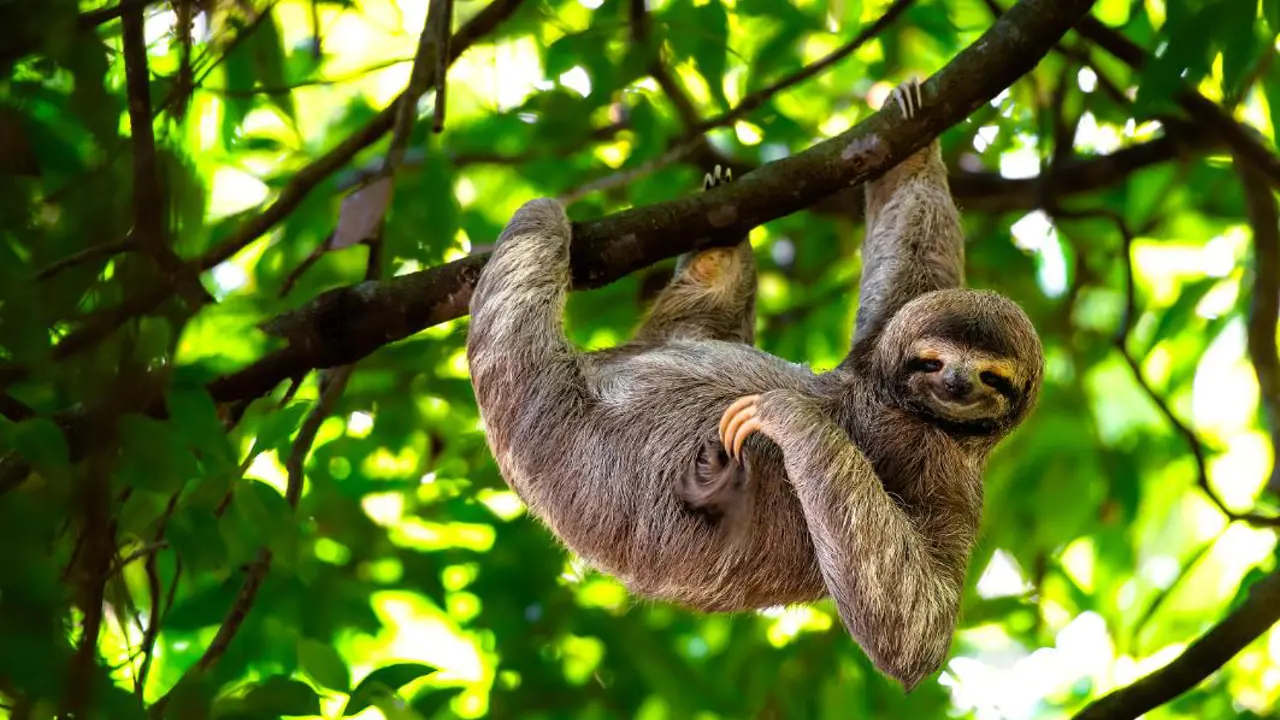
[907, 95]
[709, 266]
[738, 423]
[716, 178]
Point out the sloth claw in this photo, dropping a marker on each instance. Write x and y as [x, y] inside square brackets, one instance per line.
[903, 95]
[717, 177]
[738, 423]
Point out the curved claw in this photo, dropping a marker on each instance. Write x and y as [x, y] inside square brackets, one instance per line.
[716, 178]
[738, 423]
[908, 103]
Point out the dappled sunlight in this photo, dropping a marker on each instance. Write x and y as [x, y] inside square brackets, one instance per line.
[1002, 577]
[793, 621]
[145, 434]
[1006, 682]
[425, 536]
[1035, 233]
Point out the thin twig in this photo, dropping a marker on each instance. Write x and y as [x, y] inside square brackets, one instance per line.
[89, 254]
[753, 100]
[315, 82]
[100, 323]
[1186, 567]
[94, 18]
[146, 550]
[152, 632]
[1121, 338]
[625, 177]
[148, 201]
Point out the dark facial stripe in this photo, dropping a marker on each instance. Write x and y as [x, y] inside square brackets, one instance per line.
[980, 331]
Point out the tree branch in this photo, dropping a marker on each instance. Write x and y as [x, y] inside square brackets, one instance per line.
[1200, 108]
[149, 230]
[1211, 651]
[333, 384]
[1121, 340]
[754, 100]
[348, 323]
[101, 323]
[1264, 305]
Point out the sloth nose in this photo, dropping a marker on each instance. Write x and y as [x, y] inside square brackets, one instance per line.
[957, 382]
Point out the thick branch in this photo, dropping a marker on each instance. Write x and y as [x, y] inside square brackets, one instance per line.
[1211, 651]
[348, 323]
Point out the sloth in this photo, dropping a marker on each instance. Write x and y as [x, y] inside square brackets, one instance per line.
[700, 470]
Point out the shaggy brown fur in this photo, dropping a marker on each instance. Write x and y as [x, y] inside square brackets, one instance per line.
[863, 483]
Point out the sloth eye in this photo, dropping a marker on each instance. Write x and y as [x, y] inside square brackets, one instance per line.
[995, 381]
[927, 365]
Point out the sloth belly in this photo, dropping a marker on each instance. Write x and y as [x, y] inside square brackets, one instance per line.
[648, 415]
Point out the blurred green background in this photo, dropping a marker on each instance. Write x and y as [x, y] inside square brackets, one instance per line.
[409, 582]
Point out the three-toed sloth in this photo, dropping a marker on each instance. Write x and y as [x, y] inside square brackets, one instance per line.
[699, 469]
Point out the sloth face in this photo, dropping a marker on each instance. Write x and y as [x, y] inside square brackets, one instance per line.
[960, 384]
[967, 361]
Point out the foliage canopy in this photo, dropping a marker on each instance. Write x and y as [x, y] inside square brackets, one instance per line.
[178, 545]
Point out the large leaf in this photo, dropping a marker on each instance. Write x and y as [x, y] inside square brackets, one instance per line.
[383, 681]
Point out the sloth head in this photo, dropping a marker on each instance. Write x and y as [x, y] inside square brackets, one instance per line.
[968, 361]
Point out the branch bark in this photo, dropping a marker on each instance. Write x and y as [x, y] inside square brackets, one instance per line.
[348, 323]
[1208, 653]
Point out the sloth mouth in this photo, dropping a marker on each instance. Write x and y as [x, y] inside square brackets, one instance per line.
[975, 407]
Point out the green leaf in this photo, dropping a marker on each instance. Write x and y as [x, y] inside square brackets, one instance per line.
[195, 418]
[1185, 58]
[153, 456]
[1271, 11]
[1181, 312]
[279, 695]
[384, 681]
[277, 428]
[1237, 38]
[700, 33]
[238, 74]
[194, 535]
[268, 58]
[268, 518]
[711, 51]
[41, 442]
[323, 663]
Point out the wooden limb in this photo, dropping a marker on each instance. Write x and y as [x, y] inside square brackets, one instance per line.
[348, 323]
